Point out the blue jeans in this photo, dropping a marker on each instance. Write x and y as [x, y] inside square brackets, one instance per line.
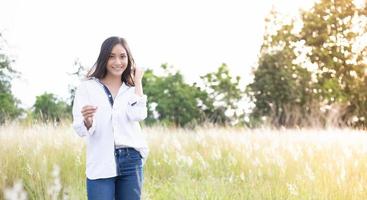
[126, 185]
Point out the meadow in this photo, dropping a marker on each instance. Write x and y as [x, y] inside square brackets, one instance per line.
[48, 162]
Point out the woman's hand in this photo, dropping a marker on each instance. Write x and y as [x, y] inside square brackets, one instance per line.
[139, 72]
[88, 113]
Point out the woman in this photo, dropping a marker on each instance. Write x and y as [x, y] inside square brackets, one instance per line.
[106, 111]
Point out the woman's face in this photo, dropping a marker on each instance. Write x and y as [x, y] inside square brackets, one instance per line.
[117, 61]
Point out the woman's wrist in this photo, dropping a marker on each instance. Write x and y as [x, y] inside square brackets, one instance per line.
[138, 81]
[138, 88]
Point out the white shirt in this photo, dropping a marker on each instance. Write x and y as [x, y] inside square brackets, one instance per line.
[116, 125]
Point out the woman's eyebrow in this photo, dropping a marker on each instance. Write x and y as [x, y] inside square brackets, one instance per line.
[120, 54]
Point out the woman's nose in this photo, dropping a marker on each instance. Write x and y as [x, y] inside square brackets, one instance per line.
[118, 61]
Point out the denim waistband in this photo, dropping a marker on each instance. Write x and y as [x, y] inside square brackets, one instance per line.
[124, 150]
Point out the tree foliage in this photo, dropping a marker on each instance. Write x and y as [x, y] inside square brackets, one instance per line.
[332, 31]
[314, 74]
[224, 94]
[171, 100]
[49, 108]
[9, 105]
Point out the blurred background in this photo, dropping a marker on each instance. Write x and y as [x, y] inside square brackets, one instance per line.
[277, 63]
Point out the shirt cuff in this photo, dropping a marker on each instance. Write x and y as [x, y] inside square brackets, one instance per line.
[82, 130]
[137, 100]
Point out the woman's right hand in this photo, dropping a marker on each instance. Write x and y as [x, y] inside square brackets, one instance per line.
[88, 113]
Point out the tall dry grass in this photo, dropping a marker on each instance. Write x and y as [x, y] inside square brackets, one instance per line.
[48, 162]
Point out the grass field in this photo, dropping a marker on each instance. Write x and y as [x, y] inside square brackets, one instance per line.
[47, 162]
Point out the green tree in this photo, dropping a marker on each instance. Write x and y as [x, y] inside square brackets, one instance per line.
[224, 93]
[316, 71]
[279, 91]
[49, 108]
[171, 100]
[332, 31]
[9, 105]
[281, 88]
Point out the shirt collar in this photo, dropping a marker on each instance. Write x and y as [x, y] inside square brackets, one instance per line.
[122, 89]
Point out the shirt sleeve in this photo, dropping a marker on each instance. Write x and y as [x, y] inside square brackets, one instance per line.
[80, 100]
[137, 107]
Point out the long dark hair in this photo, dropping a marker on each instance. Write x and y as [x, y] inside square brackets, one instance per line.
[99, 68]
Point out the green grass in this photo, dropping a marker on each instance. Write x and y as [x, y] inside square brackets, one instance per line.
[206, 163]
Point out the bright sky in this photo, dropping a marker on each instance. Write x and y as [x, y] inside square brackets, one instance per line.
[46, 37]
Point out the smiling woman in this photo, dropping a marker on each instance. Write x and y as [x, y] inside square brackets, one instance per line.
[114, 60]
[116, 147]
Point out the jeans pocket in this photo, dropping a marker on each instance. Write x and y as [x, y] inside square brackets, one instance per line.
[134, 155]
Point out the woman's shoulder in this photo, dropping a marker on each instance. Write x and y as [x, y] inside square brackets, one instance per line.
[87, 82]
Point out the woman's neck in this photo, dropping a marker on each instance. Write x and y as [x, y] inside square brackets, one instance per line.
[112, 81]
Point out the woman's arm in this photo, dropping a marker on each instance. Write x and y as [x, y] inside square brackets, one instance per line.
[137, 108]
[80, 101]
[138, 81]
